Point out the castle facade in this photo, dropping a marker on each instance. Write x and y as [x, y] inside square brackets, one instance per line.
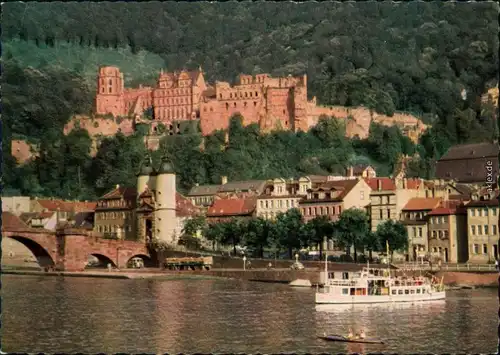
[273, 103]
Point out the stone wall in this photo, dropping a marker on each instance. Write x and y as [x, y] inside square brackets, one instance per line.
[468, 278]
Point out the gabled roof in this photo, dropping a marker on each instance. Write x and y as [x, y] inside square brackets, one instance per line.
[472, 151]
[66, 206]
[28, 216]
[203, 190]
[232, 207]
[11, 221]
[448, 208]
[360, 168]
[387, 183]
[422, 204]
[119, 192]
[343, 186]
[254, 185]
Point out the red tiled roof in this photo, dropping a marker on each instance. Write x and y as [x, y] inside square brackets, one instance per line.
[387, 183]
[448, 208]
[119, 192]
[232, 207]
[67, 206]
[422, 203]
[11, 221]
[413, 183]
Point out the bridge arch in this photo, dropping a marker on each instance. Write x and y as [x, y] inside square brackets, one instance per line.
[148, 261]
[103, 260]
[43, 255]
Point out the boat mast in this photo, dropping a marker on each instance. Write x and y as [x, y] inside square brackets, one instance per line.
[388, 262]
[326, 265]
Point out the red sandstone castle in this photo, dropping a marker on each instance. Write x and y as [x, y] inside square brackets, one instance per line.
[273, 103]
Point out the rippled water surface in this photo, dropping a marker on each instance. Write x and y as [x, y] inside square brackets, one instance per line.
[52, 314]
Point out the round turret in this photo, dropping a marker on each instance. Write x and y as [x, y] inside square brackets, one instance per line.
[166, 166]
[146, 168]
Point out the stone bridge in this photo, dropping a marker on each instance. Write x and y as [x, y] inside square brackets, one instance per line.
[69, 249]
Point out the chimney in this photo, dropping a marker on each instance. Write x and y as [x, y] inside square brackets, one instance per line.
[224, 180]
[379, 185]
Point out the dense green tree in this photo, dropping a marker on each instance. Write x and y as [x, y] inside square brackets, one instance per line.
[394, 233]
[288, 230]
[321, 228]
[351, 228]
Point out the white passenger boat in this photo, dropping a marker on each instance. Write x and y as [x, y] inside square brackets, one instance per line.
[376, 286]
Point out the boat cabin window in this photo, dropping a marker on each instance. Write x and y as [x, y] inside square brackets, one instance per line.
[418, 290]
[353, 291]
[400, 292]
[345, 291]
[393, 292]
[412, 291]
[407, 292]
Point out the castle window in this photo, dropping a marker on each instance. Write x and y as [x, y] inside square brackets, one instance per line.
[250, 94]
[102, 90]
[235, 104]
[227, 106]
[256, 94]
[231, 95]
[283, 111]
[211, 109]
[109, 90]
[110, 82]
[220, 96]
[255, 103]
[246, 94]
[245, 104]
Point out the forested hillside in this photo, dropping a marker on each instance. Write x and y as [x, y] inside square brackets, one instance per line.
[417, 57]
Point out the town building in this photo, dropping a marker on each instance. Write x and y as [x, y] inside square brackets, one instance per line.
[447, 236]
[332, 197]
[205, 195]
[281, 194]
[414, 217]
[114, 215]
[223, 210]
[482, 223]
[361, 170]
[470, 164]
[44, 220]
[389, 196]
[16, 204]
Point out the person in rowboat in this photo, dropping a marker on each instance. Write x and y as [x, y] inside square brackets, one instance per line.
[362, 334]
[350, 335]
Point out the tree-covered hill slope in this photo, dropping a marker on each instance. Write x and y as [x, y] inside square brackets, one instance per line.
[435, 59]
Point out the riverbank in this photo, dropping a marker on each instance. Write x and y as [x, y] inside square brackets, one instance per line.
[452, 279]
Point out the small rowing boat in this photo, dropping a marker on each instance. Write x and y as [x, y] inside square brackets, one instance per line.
[343, 339]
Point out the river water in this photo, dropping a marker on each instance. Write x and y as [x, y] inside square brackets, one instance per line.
[54, 314]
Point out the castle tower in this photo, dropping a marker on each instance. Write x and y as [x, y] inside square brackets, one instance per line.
[110, 88]
[165, 214]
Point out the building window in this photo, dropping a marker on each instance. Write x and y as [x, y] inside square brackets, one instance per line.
[261, 204]
[486, 229]
[494, 210]
[475, 249]
[293, 203]
[479, 212]
[440, 234]
[281, 203]
[434, 234]
[494, 229]
[414, 231]
[485, 211]
[420, 233]
[473, 212]
[479, 230]
[485, 248]
[380, 214]
[473, 230]
[446, 234]
[389, 213]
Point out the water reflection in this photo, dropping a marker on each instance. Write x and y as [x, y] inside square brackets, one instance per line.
[226, 316]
